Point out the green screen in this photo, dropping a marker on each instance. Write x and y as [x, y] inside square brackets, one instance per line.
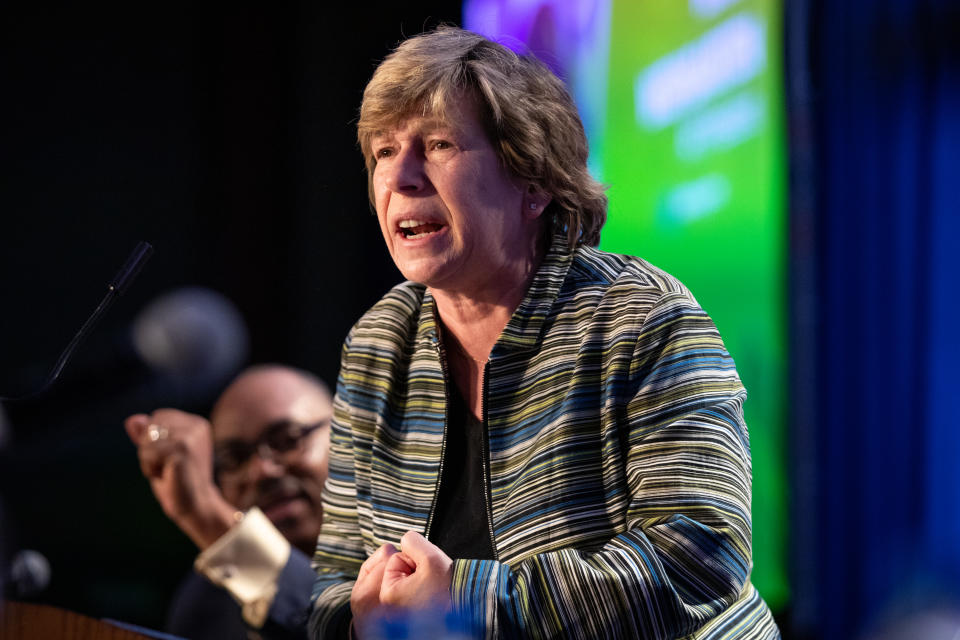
[694, 155]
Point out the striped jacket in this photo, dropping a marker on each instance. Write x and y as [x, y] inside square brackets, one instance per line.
[618, 462]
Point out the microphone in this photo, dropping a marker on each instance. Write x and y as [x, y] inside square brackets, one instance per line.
[29, 574]
[120, 283]
[131, 268]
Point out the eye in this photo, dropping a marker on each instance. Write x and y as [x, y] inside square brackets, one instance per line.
[285, 442]
[440, 145]
[383, 152]
[231, 455]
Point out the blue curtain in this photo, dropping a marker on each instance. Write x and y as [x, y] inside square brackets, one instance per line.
[877, 467]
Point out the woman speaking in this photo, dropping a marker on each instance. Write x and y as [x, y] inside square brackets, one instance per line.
[543, 438]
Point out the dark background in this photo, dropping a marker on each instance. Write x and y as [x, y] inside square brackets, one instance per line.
[225, 138]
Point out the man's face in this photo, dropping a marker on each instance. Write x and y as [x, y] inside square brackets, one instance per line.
[275, 427]
[451, 215]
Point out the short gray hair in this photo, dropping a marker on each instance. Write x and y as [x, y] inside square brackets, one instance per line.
[526, 110]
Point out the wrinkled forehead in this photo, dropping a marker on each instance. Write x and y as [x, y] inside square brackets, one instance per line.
[388, 123]
[457, 111]
[445, 107]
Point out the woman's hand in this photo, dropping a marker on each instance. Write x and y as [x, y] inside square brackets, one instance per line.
[415, 578]
[418, 577]
[365, 597]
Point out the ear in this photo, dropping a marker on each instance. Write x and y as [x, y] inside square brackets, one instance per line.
[535, 201]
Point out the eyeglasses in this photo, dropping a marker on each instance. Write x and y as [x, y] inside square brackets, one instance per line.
[277, 439]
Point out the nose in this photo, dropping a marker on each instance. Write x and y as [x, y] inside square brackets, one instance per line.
[405, 171]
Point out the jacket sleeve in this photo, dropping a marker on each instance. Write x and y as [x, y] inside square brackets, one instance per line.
[684, 554]
[340, 548]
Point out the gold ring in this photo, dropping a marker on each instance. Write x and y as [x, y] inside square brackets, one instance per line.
[156, 432]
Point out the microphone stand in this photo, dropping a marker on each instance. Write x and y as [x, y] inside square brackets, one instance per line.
[120, 283]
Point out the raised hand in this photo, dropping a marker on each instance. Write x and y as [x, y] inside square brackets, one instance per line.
[176, 455]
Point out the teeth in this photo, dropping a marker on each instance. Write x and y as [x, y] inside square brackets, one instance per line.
[418, 228]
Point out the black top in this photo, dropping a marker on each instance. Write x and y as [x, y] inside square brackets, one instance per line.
[460, 526]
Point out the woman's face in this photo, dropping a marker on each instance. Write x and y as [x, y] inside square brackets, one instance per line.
[452, 217]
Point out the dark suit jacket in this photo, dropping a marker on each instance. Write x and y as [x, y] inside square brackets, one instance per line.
[203, 611]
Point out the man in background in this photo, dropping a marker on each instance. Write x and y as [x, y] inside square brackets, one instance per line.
[246, 488]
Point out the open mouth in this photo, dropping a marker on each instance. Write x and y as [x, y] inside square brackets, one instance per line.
[413, 229]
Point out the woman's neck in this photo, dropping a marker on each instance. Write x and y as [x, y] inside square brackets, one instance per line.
[472, 319]
[475, 318]
[469, 329]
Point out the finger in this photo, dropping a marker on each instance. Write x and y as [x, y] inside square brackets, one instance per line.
[180, 425]
[417, 547]
[419, 575]
[400, 565]
[400, 583]
[136, 426]
[383, 553]
[395, 584]
[155, 456]
[365, 595]
[377, 558]
[424, 553]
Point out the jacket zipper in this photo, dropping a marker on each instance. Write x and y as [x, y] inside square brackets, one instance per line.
[443, 442]
[487, 494]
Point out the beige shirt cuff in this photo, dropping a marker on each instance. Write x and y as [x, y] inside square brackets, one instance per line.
[246, 561]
